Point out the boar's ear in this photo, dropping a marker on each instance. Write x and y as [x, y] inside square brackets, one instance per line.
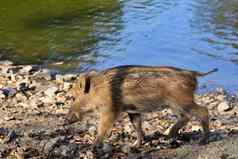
[88, 79]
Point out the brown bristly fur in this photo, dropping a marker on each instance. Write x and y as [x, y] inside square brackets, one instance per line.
[136, 90]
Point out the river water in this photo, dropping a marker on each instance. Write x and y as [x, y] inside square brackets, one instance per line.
[73, 36]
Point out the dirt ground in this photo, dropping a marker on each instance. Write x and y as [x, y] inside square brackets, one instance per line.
[34, 102]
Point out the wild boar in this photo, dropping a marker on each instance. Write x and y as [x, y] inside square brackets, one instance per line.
[138, 89]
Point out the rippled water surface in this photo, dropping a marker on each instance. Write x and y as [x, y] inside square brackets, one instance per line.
[78, 35]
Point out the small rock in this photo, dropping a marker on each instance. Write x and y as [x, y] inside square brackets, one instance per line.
[196, 128]
[67, 86]
[220, 97]
[107, 148]
[6, 63]
[125, 148]
[4, 150]
[68, 151]
[213, 105]
[44, 74]
[8, 118]
[23, 86]
[2, 95]
[51, 144]
[92, 130]
[9, 137]
[9, 91]
[50, 92]
[47, 100]
[21, 97]
[69, 77]
[224, 106]
[59, 78]
[26, 69]
[65, 78]
[13, 70]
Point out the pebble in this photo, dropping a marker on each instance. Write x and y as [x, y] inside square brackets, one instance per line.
[4, 149]
[51, 92]
[23, 85]
[50, 145]
[107, 148]
[8, 118]
[67, 86]
[69, 77]
[43, 74]
[92, 130]
[21, 97]
[223, 106]
[9, 91]
[59, 78]
[196, 128]
[2, 95]
[6, 63]
[26, 69]
[125, 148]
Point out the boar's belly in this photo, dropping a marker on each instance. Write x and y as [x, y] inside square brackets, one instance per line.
[143, 103]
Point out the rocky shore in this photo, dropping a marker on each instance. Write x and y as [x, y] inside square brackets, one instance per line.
[34, 101]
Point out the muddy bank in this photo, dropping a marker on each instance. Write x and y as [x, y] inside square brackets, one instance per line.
[34, 101]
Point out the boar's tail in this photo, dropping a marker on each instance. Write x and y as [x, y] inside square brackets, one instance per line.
[200, 74]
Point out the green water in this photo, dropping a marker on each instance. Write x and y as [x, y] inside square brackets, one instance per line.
[54, 30]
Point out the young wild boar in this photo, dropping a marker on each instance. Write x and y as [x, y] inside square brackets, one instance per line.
[136, 90]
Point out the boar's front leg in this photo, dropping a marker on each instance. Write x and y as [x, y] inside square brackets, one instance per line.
[182, 121]
[136, 122]
[107, 118]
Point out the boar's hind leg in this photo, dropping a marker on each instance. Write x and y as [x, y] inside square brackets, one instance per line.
[107, 119]
[182, 121]
[137, 125]
[201, 113]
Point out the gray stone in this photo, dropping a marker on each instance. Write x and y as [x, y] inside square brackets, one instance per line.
[196, 128]
[4, 150]
[67, 86]
[6, 63]
[8, 118]
[47, 100]
[9, 91]
[59, 78]
[220, 97]
[21, 97]
[50, 145]
[125, 148]
[50, 92]
[67, 151]
[65, 78]
[10, 136]
[2, 95]
[92, 130]
[107, 148]
[26, 69]
[69, 77]
[23, 85]
[224, 106]
[43, 74]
